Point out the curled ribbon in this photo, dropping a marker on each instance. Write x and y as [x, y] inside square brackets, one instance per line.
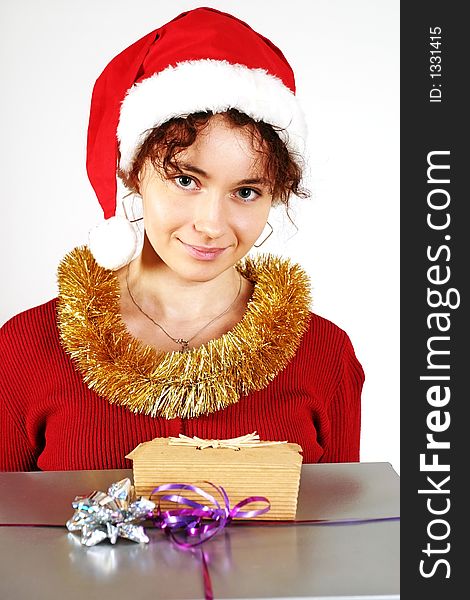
[200, 521]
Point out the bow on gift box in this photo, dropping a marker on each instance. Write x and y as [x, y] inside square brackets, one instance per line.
[116, 513]
[110, 515]
[251, 440]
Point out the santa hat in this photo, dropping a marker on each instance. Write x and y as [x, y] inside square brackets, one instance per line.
[203, 60]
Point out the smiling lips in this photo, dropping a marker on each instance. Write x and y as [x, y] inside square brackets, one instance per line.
[203, 252]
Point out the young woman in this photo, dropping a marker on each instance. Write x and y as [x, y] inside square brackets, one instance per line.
[185, 334]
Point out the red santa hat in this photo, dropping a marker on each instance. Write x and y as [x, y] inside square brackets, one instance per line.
[203, 60]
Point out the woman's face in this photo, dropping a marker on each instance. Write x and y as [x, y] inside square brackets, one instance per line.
[201, 220]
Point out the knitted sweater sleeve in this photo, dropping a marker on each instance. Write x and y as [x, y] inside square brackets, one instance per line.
[16, 452]
[25, 361]
[344, 410]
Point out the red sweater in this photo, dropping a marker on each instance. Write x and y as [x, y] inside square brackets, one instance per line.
[50, 419]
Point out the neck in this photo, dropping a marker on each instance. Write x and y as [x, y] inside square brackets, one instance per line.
[167, 296]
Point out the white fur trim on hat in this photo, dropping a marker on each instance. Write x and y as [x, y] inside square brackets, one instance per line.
[208, 84]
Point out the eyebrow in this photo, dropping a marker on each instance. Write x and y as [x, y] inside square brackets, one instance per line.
[193, 169]
[198, 171]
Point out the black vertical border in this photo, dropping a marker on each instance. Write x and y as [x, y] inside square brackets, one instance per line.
[425, 127]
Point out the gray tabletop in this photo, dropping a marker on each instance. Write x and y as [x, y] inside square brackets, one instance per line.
[40, 560]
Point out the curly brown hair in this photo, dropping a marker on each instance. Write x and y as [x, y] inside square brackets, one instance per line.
[164, 143]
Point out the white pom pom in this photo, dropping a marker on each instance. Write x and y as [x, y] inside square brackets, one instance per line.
[113, 243]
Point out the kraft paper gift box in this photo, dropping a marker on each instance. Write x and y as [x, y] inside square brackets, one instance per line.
[272, 471]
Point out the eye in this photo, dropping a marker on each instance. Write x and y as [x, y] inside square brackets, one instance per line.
[185, 182]
[246, 194]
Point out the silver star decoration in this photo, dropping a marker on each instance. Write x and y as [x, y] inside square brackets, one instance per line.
[110, 515]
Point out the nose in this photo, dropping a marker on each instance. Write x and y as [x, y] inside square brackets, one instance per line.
[209, 215]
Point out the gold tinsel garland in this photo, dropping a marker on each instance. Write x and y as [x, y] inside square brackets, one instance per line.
[174, 384]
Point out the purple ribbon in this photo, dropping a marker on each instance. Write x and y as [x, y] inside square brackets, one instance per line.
[198, 522]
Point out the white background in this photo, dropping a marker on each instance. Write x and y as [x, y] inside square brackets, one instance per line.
[345, 55]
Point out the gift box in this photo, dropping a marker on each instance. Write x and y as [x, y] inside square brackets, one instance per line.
[271, 471]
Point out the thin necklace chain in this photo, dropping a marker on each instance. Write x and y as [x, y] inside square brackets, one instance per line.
[180, 341]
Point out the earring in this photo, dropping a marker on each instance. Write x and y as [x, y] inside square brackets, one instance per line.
[132, 209]
[268, 236]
